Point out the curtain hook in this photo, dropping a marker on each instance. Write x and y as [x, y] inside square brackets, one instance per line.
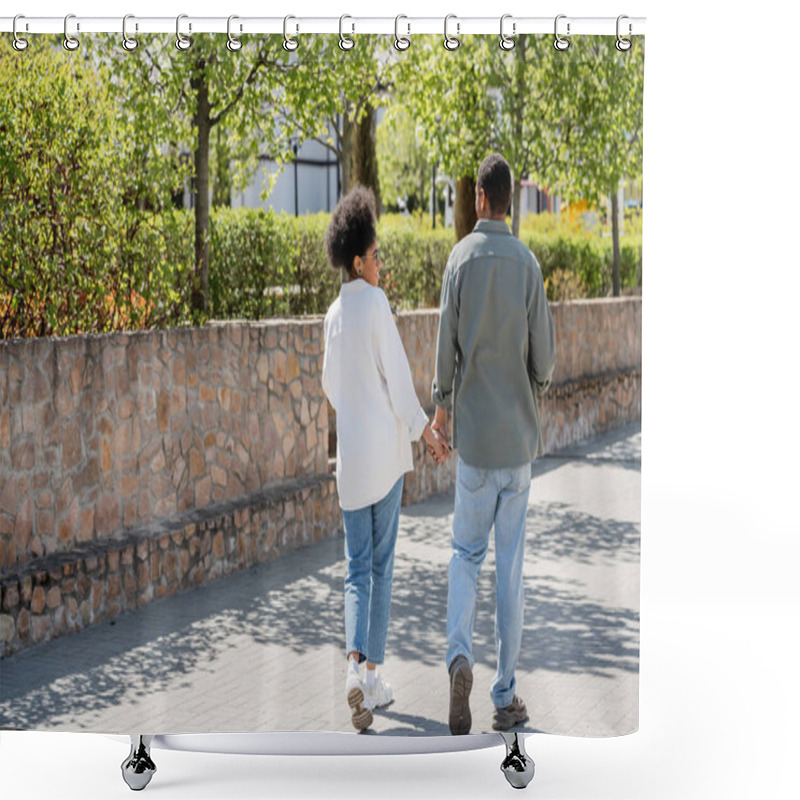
[128, 43]
[506, 42]
[289, 44]
[234, 44]
[70, 42]
[183, 43]
[19, 44]
[401, 42]
[345, 42]
[623, 45]
[450, 42]
[559, 43]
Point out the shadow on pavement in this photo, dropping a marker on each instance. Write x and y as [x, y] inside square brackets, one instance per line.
[297, 601]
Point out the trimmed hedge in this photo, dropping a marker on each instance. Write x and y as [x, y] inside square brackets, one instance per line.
[265, 264]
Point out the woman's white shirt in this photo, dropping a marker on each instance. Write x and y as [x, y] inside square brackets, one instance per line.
[366, 377]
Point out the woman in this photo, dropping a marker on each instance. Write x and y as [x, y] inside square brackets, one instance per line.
[367, 380]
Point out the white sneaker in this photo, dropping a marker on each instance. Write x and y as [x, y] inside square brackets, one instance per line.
[379, 695]
[361, 715]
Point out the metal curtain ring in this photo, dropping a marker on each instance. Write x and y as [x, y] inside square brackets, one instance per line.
[450, 42]
[19, 43]
[182, 42]
[401, 42]
[70, 42]
[506, 42]
[345, 42]
[623, 45]
[127, 42]
[234, 44]
[558, 42]
[289, 44]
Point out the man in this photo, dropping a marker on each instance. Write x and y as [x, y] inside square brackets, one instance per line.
[495, 355]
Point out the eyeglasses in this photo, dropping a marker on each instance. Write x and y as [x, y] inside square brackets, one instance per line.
[376, 254]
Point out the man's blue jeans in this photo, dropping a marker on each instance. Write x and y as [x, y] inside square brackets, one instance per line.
[486, 497]
[370, 534]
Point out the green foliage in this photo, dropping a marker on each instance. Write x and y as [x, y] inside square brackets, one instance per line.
[415, 256]
[78, 250]
[576, 265]
[268, 264]
[405, 170]
[604, 117]
[90, 160]
[446, 94]
[333, 91]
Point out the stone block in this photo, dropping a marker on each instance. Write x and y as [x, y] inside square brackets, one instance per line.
[23, 625]
[38, 600]
[41, 628]
[108, 515]
[54, 597]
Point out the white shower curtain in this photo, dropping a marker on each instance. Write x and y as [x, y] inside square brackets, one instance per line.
[172, 549]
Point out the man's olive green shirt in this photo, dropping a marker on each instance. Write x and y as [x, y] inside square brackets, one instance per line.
[495, 352]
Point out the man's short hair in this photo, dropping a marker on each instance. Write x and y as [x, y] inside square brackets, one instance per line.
[494, 177]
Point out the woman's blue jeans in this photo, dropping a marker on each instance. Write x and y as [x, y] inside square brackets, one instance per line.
[486, 498]
[370, 534]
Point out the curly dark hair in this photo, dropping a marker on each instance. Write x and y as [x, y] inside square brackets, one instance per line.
[494, 177]
[351, 229]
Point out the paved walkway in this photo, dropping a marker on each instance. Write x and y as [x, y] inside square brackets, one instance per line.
[262, 650]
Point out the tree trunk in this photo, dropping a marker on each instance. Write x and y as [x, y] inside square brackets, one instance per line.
[465, 216]
[615, 239]
[346, 153]
[515, 207]
[199, 298]
[365, 158]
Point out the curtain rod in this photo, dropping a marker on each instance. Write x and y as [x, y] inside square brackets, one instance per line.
[349, 25]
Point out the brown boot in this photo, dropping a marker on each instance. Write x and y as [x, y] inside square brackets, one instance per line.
[460, 686]
[506, 718]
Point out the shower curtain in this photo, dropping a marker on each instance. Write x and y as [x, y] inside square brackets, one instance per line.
[172, 555]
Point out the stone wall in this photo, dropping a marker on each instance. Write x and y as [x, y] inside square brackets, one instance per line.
[104, 433]
[67, 591]
[133, 466]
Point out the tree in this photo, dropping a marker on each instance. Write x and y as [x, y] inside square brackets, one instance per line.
[533, 95]
[405, 171]
[365, 155]
[345, 89]
[206, 86]
[605, 118]
[79, 249]
[446, 93]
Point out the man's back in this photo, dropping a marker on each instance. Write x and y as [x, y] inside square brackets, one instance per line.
[496, 347]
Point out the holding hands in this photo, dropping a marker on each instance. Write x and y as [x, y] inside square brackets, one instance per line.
[435, 436]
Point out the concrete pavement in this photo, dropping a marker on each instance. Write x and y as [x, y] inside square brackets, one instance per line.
[263, 650]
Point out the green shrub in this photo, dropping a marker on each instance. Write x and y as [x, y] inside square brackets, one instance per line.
[265, 264]
[78, 250]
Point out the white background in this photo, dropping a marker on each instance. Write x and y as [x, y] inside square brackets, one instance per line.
[719, 609]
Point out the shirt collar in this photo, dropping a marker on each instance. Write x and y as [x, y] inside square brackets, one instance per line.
[492, 226]
[353, 286]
